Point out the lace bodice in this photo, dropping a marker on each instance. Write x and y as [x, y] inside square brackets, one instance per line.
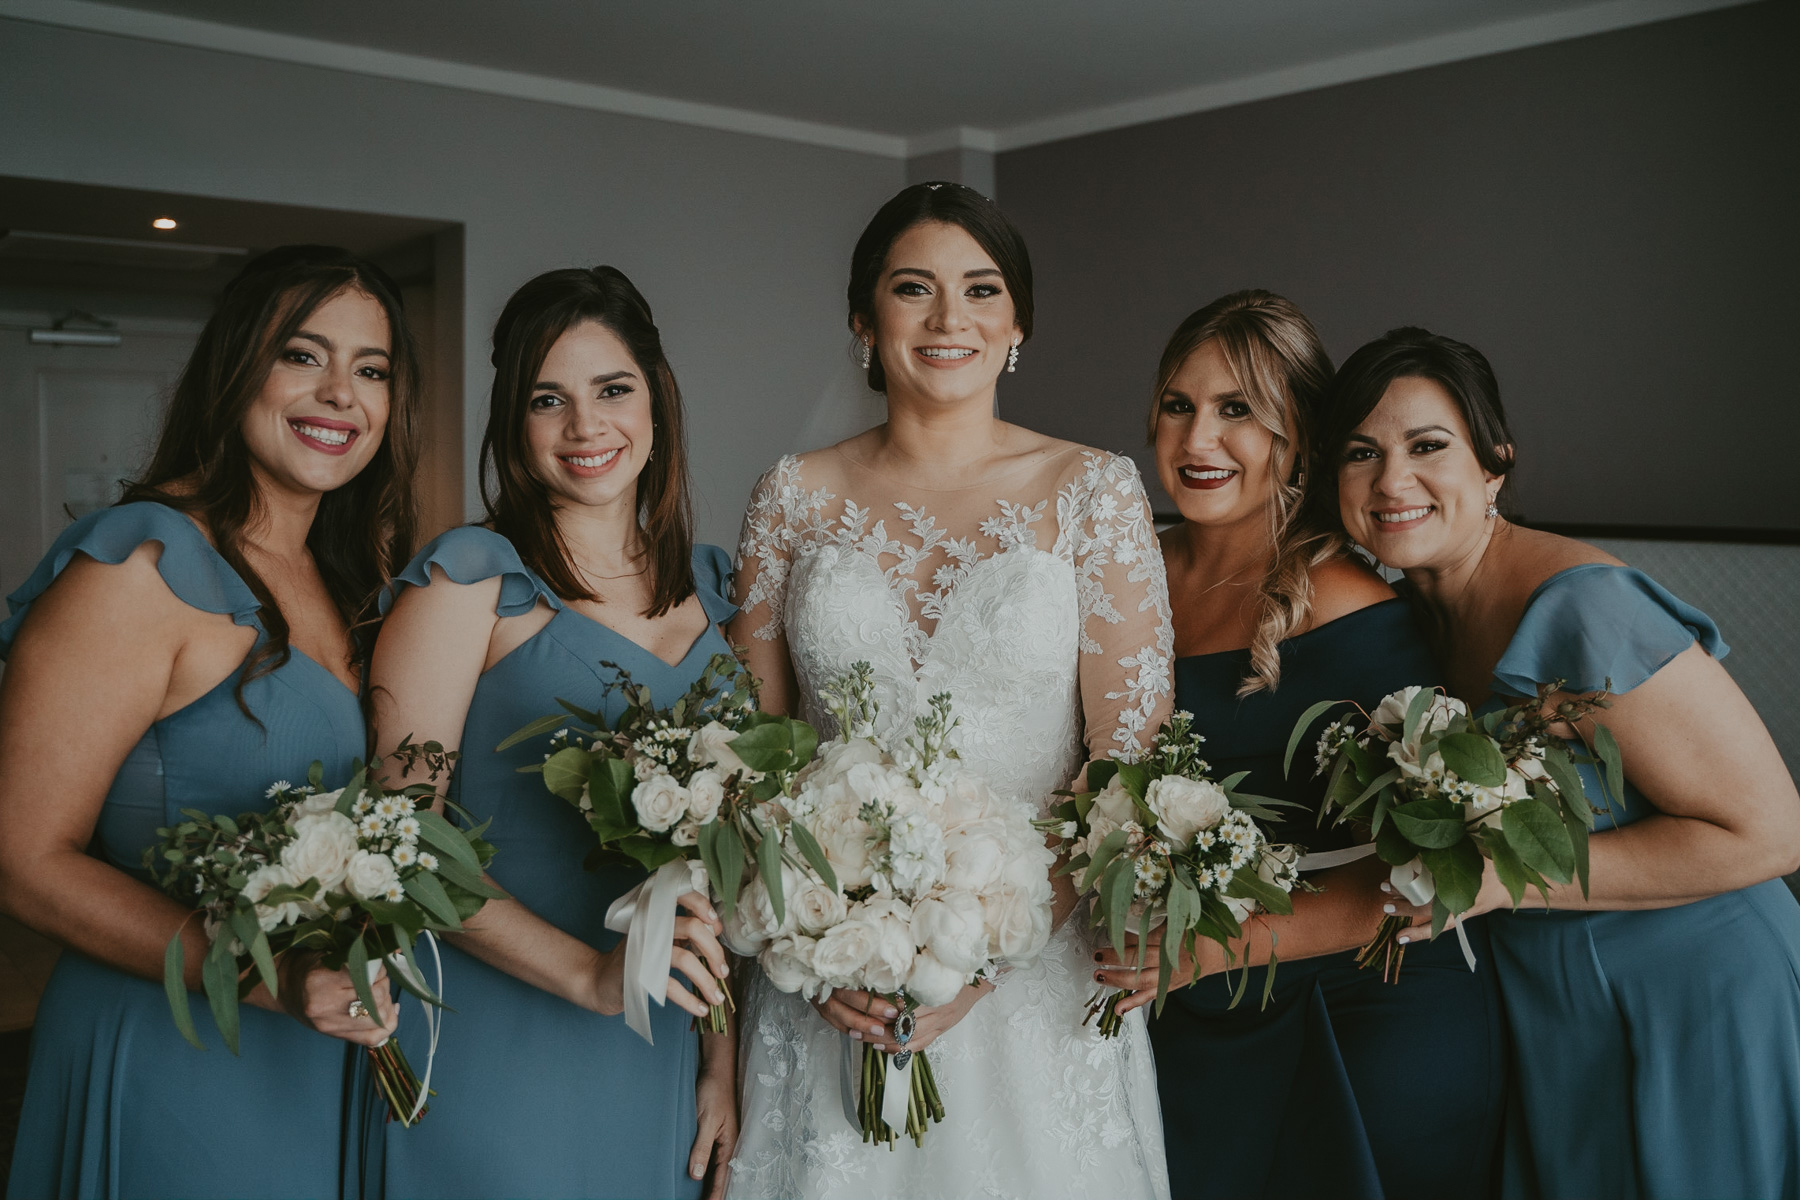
[1045, 615]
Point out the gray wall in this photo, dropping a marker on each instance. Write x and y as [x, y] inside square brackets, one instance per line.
[1613, 220]
[740, 243]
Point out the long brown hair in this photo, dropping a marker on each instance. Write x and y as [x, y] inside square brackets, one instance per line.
[363, 531]
[1281, 368]
[518, 504]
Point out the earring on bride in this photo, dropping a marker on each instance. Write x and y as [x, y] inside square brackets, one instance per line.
[1012, 359]
[866, 354]
[1493, 510]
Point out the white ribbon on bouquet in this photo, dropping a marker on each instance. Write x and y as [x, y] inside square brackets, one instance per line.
[646, 916]
[1410, 879]
[434, 1016]
[896, 1091]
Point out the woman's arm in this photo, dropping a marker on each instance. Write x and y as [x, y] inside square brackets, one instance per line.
[428, 658]
[759, 589]
[104, 652]
[1727, 813]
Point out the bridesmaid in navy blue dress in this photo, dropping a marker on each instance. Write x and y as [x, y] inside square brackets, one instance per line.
[1656, 1020]
[586, 559]
[188, 648]
[1271, 617]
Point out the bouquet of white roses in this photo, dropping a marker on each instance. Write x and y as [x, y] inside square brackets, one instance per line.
[357, 874]
[1439, 790]
[1162, 844]
[915, 879]
[677, 792]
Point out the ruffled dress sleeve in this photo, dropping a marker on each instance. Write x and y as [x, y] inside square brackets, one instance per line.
[470, 554]
[712, 583]
[1127, 636]
[194, 571]
[1600, 627]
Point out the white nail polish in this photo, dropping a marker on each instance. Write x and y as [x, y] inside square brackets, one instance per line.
[1387, 908]
[1403, 940]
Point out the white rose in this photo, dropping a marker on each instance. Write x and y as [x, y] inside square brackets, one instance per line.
[932, 983]
[816, 907]
[953, 928]
[843, 950]
[685, 834]
[321, 849]
[754, 902]
[1018, 925]
[975, 855]
[1276, 866]
[319, 803]
[706, 792]
[1392, 710]
[837, 758]
[743, 931]
[264, 880]
[844, 836]
[370, 875]
[1184, 807]
[711, 747]
[660, 802]
[788, 963]
[1114, 804]
[890, 962]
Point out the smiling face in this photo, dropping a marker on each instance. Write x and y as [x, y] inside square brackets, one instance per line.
[589, 430]
[1410, 488]
[943, 320]
[321, 413]
[1212, 453]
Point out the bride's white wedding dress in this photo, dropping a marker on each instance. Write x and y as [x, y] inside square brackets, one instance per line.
[1038, 601]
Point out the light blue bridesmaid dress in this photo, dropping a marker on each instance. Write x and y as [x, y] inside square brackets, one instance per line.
[536, 1096]
[117, 1103]
[1657, 1052]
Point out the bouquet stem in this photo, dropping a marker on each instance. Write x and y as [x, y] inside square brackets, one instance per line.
[717, 1020]
[1385, 950]
[1106, 1007]
[922, 1105]
[397, 1081]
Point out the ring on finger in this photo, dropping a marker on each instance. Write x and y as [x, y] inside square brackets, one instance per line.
[358, 1009]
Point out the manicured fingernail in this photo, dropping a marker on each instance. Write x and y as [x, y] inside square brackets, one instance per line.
[718, 997]
[694, 1172]
[1403, 939]
[1387, 887]
[856, 1035]
[1096, 956]
[1387, 908]
[1099, 976]
[721, 970]
[875, 1029]
[890, 1012]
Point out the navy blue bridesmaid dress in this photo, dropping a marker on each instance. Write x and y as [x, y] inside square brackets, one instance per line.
[117, 1104]
[1656, 1052]
[1343, 1086]
[536, 1096]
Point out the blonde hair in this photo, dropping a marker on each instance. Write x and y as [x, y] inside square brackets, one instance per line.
[1280, 366]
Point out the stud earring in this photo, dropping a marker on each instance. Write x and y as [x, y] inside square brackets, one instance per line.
[1493, 510]
[866, 355]
[1012, 359]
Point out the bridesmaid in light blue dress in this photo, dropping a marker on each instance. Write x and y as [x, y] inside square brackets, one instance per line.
[585, 565]
[1656, 1021]
[170, 653]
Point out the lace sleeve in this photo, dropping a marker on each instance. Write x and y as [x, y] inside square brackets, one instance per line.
[765, 549]
[1127, 639]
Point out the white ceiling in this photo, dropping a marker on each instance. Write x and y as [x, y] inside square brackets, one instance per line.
[895, 77]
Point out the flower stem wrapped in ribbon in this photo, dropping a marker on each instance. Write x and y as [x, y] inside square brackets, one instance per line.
[356, 875]
[676, 791]
[1161, 844]
[1439, 790]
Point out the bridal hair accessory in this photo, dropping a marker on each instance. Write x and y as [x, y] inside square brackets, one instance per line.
[1012, 359]
[866, 355]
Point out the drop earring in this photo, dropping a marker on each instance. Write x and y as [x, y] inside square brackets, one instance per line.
[866, 355]
[1493, 510]
[1012, 359]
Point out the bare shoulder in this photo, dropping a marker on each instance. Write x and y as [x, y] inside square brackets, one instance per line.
[128, 594]
[1344, 585]
[1530, 556]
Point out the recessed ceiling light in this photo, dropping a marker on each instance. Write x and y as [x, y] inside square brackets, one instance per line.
[163, 223]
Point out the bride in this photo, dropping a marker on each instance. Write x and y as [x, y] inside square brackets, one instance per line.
[1020, 573]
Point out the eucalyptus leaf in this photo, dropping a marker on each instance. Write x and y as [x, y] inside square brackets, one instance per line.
[445, 838]
[537, 728]
[766, 747]
[175, 987]
[1116, 887]
[1415, 712]
[768, 859]
[1607, 748]
[731, 866]
[430, 894]
[356, 965]
[1104, 853]
[219, 975]
[814, 854]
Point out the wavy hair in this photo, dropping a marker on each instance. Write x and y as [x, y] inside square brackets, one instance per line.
[519, 506]
[1280, 366]
[363, 532]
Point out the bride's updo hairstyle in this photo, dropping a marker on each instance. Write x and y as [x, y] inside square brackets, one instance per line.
[363, 531]
[937, 203]
[1281, 368]
[1406, 353]
[519, 506]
